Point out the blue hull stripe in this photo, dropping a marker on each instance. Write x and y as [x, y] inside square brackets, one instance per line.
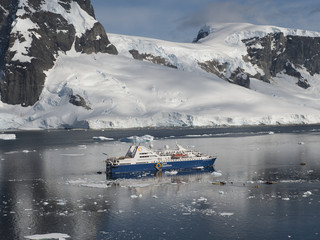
[164, 166]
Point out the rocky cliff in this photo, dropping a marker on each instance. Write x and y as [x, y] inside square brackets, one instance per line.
[33, 33]
[277, 53]
[273, 53]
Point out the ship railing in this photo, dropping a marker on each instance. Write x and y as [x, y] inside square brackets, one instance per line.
[112, 160]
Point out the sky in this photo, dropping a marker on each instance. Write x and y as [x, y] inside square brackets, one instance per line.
[180, 20]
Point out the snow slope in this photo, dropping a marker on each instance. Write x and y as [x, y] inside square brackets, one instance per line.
[122, 92]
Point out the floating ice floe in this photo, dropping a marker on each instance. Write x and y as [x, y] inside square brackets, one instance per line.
[28, 151]
[216, 174]
[226, 214]
[102, 138]
[202, 199]
[292, 181]
[286, 199]
[139, 185]
[72, 154]
[95, 185]
[59, 236]
[307, 194]
[136, 196]
[89, 184]
[136, 139]
[61, 202]
[7, 137]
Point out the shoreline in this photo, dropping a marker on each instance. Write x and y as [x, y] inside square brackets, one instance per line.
[278, 126]
[168, 132]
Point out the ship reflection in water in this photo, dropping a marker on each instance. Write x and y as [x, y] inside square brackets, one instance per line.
[187, 172]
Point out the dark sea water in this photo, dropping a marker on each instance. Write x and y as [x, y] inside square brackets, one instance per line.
[54, 182]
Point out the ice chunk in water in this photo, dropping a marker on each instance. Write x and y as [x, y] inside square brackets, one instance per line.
[136, 139]
[7, 137]
[59, 236]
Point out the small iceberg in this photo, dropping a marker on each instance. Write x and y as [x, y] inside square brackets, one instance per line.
[216, 174]
[59, 236]
[102, 138]
[7, 136]
[307, 194]
[226, 214]
[61, 202]
[137, 139]
[136, 196]
[202, 199]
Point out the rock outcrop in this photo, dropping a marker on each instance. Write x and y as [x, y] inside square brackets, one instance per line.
[238, 76]
[149, 57]
[273, 53]
[33, 33]
[277, 53]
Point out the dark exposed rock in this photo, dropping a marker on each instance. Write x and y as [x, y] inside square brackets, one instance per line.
[95, 40]
[8, 9]
[278, 50]
[201, 34]
[79, 101]
[21, 82]
[291, 71]
[303, 83]
[85, 5]
[214, 67]
[274, 54]
[149, 57]
[238, 77]
[66, 4]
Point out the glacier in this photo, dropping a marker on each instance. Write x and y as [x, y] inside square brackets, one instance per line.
[117, 91]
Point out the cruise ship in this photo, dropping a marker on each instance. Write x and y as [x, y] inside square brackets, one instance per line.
[141, 158]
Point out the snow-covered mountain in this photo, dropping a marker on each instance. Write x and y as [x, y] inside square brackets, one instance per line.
[234, 74]
[34, 33]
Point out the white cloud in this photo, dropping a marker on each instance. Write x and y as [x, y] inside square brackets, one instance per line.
[293, 14]
[174, 20]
